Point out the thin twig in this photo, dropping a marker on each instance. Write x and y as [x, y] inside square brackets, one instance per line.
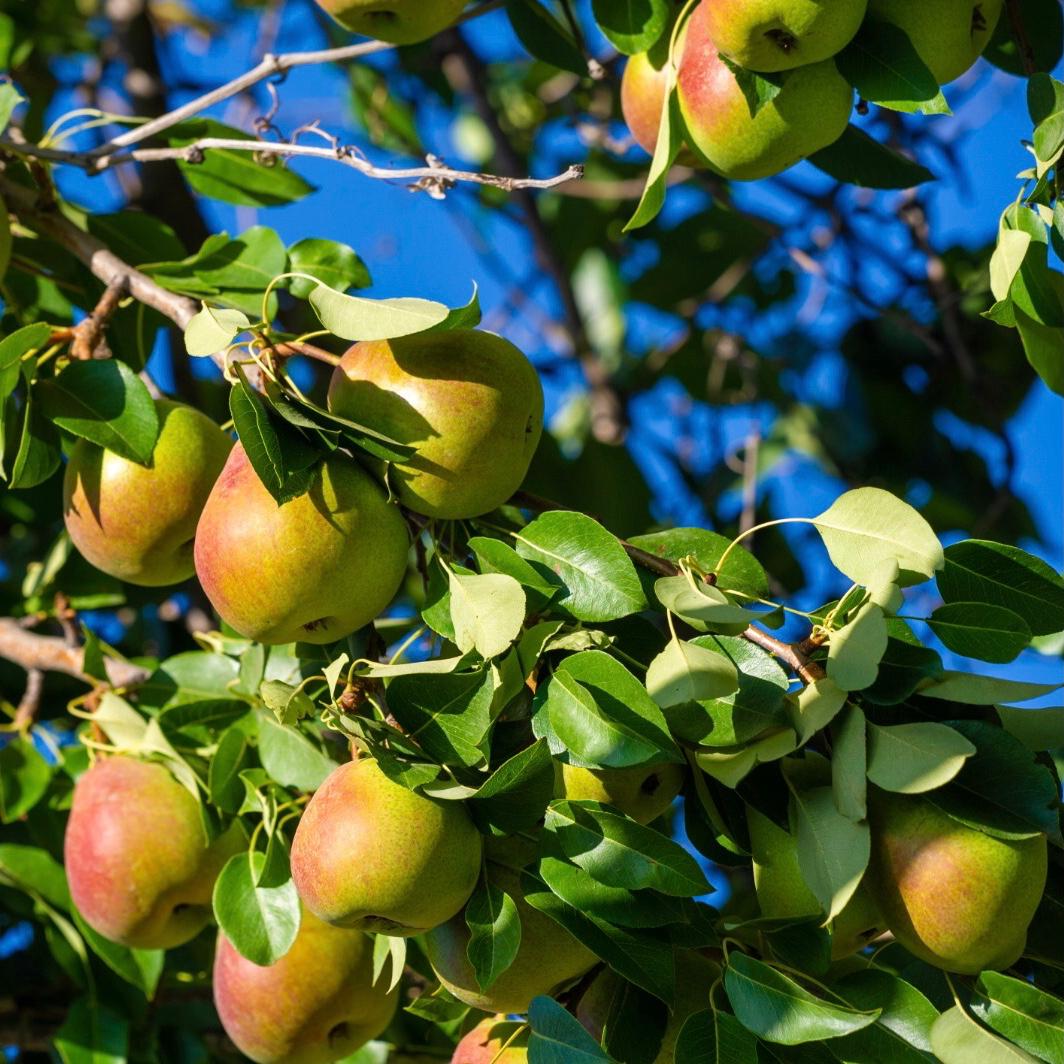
[31, 700]
[88, 333]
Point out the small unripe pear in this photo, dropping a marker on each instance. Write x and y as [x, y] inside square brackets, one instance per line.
[396, 21]
[643, 792]
[484, 1044]
[782, 892]
[371, 854]
[318, 1003]
[948, 35]
[139, 865]
[773, 35]
[469, 401]
[547, 958]
[138, 522]
[953, 896]
[312, 570]
[809, 112]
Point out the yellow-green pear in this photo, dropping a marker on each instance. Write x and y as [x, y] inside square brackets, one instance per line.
[695, 975]
[495, 1040]
[643, 792]
[810, 111]
[774, 35]
[317, 1004]
[468, 401]
[948, 35]
[138, 522]
[547, 959]
[396, 21]
[140, 867]
[953, 896]
[371, 854]
[642, 98]
[312, 570]
[782, 892]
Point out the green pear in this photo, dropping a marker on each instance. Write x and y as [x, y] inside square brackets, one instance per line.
[642, 99]
[774, 35]
[643, 792]
[782, 892]
[140, 868]
[484, 1043]
[548, 957]
[468, 401]
[372, 855]
[312, 570]
[952, 895]
[395, 21]
[810, 111]
[695, 975]
[948, 35]
[138, 522]
[317, 1004]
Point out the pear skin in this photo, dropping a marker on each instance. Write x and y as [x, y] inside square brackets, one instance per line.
[312, 570]
[948, 35]
[317, 1004]
[140, 868]
[372, 855]
[137, 522]
[469, 401]
[643, 792]
[953, 896]
[484, 1043]
[547, 958]
[395, 21]
[810, 111]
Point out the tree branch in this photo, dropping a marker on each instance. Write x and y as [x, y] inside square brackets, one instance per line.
[47, 653]
[1019, 33]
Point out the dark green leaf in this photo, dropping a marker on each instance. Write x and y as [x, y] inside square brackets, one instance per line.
[544, 36]
[494, 932]
[557, 1036]
[631, 26]
[260, 922]
[1022, 1013]
[859, 160]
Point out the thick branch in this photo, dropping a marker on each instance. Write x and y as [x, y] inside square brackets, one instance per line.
[48, 653]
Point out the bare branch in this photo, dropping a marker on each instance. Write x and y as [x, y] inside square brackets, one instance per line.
[88, 333]
[47, 653]
[31, 700]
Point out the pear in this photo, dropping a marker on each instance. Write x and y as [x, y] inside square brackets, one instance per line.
[695, 975]
[138, 861]
[468, 401]
[810, 111]
[312, 570]
[484, 1043]
[953, 896]
[317, 1004]
[643, 792]
[774, 35]
[395, 21]
[782, 892]
[948, 35]
[642, 99]
[372, 855]
[547, 959]
[138, 522]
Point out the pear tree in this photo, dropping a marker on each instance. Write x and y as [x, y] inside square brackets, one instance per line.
[402, 679]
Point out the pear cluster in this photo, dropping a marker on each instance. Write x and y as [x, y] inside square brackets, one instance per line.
[793, 42]
[469, 405]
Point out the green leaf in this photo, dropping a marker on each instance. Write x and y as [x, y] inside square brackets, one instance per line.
[557, 1037]
[10, 98]
[757, 89]
[701, 605]
[913, 758]
[777, 1009]
[288, 757]
[884, 67]
[631, 26]
[1005, 262]
[1037, 729]
[289, 704]
[34, 871]
[740, 572]
[574, 552]
[687, 672]
[335, 265]
[902, 1034]
[260, 922]
[666, 148]
[617, 851]
[1000, 575]
[359, 318]
[1021, 1013]
[494, 932]
[855, 649]
[859, 160]
[213, 329]
[714, 1037]
[138, 967]
[1045, 102]
[972, 690]
[849, 764]
[731, 765]
[979, 630]
[956, 1038]
[816, 707]
[105, 402]
[833, 850]
[866, 530]
[92, 1033]
[544, 36]
[233, 754]
[192, 676]
[24, 779]
[235, 176]
[514, 797]
[38, 454]
[1044, 347]
[487, 612]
